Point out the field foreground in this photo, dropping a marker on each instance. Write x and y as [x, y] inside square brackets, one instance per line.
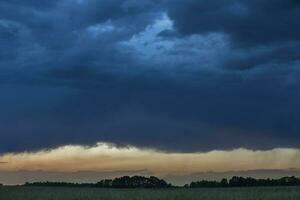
[42, 193]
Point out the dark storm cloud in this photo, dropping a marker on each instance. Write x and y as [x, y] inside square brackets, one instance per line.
[30, 3]
[258, 113]
[250, 25]
[286, 54]
[248, 22]
[64, 26]
[68, 75]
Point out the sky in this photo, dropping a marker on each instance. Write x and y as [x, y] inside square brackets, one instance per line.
[111, 86]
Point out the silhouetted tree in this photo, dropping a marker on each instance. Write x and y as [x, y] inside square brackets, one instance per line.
[139, 182]
[224, 182]
[107, 183]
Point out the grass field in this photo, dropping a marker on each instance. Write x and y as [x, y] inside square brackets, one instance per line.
[34, 193]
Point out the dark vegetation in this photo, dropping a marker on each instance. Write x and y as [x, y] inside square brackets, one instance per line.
[123, 182]
[153, 182]
[246, 182]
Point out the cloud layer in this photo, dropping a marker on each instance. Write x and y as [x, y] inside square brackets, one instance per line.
[106, 158]
[176, 75]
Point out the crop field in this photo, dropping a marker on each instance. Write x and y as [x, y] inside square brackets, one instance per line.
[43, 193]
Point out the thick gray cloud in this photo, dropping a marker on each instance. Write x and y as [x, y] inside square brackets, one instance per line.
[247, 22]
[174, 75]
[268, 31]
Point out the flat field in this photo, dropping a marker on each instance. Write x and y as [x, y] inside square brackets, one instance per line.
[42, 193]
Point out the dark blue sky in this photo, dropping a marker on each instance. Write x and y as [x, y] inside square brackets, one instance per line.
[176, 75]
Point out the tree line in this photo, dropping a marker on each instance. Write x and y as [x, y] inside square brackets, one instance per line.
[246, 182]
[123, 182]
[154, 182]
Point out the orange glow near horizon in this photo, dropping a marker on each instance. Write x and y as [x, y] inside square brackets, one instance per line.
[106, 157]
